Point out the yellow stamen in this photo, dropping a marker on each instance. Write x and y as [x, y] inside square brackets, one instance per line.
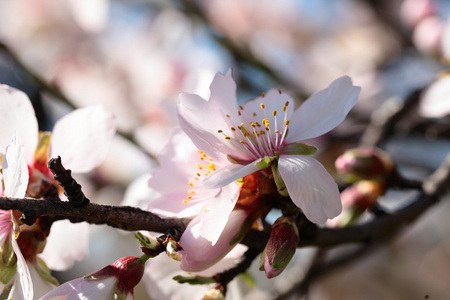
[286, 122]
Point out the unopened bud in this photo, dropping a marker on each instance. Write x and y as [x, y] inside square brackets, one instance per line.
[364, 163]
[280, 248]
[357, 198]
[127, 270]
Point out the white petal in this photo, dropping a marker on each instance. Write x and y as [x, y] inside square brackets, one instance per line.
[215, 213]
[201, 121]
[40, 285]
[228, 174]
[198, 253]
[66, 244]
[17, 115]
[323, 111]
[223, 92]
[310, 187]
[435, 102]
[23, 286]
[15, 170]
[82, 138]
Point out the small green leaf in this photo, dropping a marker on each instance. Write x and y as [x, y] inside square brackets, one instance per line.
[194, 280]
[299, 149]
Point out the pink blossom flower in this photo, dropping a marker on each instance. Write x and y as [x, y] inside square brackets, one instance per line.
[267, 132]
[91, 130]
[115, 281]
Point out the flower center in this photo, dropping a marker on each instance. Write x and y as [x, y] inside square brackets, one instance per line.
[260, 133]
[205, 166]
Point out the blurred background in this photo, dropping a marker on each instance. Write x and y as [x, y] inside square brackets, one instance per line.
[136, 56]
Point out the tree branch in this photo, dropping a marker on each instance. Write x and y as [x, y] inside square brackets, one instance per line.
[123, 217]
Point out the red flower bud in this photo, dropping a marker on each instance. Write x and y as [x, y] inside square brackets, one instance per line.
[281, 246]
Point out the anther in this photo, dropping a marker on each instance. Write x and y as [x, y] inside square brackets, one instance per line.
[240, 107]
[262, 95]
[286, 122]
[279, 92]
[274, 113]
[262, 105]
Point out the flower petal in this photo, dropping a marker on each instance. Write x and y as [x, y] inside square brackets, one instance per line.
[228, 174]
[310, 187]
[82, 138]
[67, 244]
[216, 212]
[23, 286]
[323, 111]
[15, 170]
[198, 253]
[17, 115]
[201, 121]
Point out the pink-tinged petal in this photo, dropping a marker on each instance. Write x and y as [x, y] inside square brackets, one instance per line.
[228, 174]
[178, 162]
[82, 138]
[216, 212]
[66, 244]
[230, 260]
[17, 115]
[23, 286]
[323, 111]
[40, 285]
[6, 226]
[223, 92]
[177, 207]
[83, 289]
[15, 170]
[201, 121]
[310, 187]
[198, 253]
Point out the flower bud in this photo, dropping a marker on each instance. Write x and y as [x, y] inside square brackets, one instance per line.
[281, 246]
[364, 163]
[357, 198]
[117, 280]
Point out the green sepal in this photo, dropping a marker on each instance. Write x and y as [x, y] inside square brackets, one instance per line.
[248, 279]
[45, 273]
[8, 262]
[265, 162]
[299, 149]
[262, 257]
[279, 182]
[147, 242]
[194, 280]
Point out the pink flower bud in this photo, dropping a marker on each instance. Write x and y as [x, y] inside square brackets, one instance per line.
[364, 163]
[281, 246]
[356, 199]
[117, 281]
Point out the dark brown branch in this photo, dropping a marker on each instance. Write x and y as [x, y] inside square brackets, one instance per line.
[123, 217]
[72, 189]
